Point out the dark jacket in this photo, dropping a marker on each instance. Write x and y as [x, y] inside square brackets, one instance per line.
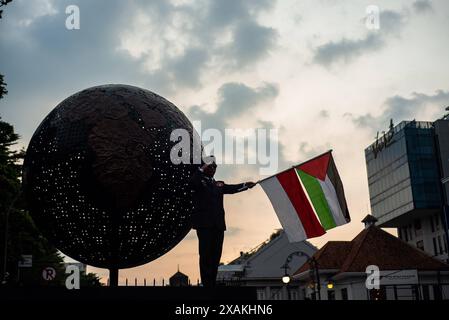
[208, 200]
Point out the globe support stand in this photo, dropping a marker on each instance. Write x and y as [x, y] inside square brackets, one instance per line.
[113, 277]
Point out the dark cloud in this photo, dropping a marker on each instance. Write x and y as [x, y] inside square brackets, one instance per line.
[234, 100]
[222, 13]
[237, 100]
[399, 108]
[186, 70]
[43, 61]
[250, 43]
[422, 6]
[391, 22]
[346, 50]
[207, 22]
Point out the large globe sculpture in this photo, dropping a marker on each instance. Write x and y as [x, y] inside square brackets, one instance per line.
[99, 179]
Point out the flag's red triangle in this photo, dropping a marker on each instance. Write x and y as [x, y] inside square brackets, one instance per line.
[317, 167]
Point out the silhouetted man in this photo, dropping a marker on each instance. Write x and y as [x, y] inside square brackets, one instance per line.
[209, 217]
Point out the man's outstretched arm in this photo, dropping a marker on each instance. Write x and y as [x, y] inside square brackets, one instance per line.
[234, 188]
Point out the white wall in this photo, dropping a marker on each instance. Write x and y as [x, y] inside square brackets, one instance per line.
[413, 236]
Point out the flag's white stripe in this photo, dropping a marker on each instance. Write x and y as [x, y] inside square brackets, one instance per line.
[332, 201]
[284, 209]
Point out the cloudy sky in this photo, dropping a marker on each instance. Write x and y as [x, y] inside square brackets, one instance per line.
[311, 69]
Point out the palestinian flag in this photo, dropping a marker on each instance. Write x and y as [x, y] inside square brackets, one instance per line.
[308, 198]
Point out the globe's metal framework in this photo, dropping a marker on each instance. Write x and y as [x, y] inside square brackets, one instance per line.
[99, 179]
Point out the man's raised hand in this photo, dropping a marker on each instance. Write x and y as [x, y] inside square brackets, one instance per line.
[250, 184]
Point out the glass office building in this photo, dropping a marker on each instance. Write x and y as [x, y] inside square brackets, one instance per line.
[404, 178]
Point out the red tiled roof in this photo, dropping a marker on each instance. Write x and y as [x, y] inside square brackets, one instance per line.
[331, 256]
[373, 246]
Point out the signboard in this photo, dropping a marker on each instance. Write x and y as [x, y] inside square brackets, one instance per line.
[26, 261]
[398, 277]
[384, 142]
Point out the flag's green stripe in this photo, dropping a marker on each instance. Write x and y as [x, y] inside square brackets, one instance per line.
[318, 199]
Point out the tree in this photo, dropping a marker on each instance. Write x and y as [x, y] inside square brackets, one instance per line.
[18, 230]
[3, 3]
[3, 90]
[90, 280]
[19, 234]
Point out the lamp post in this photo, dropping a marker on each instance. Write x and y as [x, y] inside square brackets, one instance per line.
[445, 211]
[313, 265]
[4, 274]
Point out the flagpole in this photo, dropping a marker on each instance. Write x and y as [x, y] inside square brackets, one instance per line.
[300, 164]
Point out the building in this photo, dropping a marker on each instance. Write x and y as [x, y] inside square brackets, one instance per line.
[405, 167]
[405, 272]
[179, 279]
[263, 267]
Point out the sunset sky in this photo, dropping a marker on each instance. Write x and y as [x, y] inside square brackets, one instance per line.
[310, 68]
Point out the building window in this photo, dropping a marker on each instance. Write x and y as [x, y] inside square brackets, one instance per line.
[418, 228]
[435, 251]
[405, 234]
[344, 294]
[278, 295]
[436, 292]
[420, 245]
[293, 294]
[330, 294]
[378, 294]
[417, 224]
[440, 245]
[261, 294]
[425, 292]
[410, 229]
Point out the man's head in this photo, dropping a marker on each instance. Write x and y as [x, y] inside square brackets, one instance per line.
[209, 166]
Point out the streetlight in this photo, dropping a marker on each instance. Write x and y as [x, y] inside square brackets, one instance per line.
[330, 285]
[313, 265]
[286, 279]
[5, 273]
[445, 208]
